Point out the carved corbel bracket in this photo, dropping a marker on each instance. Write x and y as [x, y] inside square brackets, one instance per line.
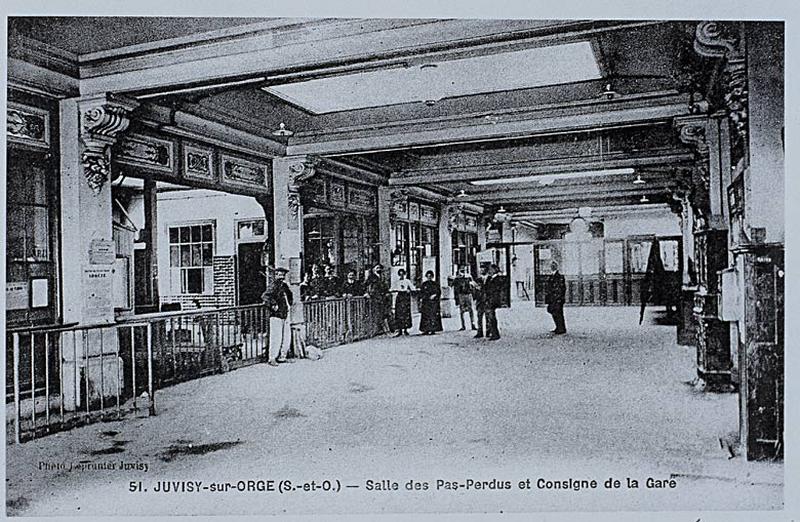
[103, 120]
[718, 40]
[724, 41]
[302, 171]
[395, 197]
[692, 131]
[455, 214]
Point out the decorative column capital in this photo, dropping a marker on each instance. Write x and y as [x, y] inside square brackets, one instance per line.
[301, 170]
[692, 131]
[396, 196]
[103, 119]
[718, 40]
[724, 40]
[454, 213]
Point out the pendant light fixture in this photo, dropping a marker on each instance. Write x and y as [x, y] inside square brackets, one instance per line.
[282, 131]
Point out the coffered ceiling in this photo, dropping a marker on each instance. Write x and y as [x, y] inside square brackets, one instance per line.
[435, 104]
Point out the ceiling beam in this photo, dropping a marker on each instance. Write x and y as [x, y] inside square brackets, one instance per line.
[563, 193]
[576, 184]
[552, 205]
[632, 160]
[520, 123]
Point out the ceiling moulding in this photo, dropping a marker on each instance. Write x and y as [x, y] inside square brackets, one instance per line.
[597, 212]
[500, 115]
[345, 171]
[366, 42]
[44, 55]
[268, 26]
[190, 126]
[466, 130]
[543, 167]
[560, 193]
[29, 77]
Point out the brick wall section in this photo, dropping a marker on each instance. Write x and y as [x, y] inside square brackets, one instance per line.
[224, 268]
[225, 280]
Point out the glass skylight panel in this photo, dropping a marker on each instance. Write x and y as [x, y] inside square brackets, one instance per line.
[527, 68]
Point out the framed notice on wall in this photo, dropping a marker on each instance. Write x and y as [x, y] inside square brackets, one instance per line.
[16, 295]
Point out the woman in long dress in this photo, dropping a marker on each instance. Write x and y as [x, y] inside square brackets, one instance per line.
[402, 289]
[430, 295]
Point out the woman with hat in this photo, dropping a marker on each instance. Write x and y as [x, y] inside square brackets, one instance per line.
[430, 295]
[402, 289]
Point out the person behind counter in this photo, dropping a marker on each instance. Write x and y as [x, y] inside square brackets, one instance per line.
[330, 283]
[316, 283]
[351, 285]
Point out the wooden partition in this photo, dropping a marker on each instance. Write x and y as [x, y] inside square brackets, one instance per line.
[602, 272]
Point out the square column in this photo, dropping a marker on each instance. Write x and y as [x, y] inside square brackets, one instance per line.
[89, 127]
[288, 175]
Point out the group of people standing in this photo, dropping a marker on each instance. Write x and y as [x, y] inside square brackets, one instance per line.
[392, 304]
[324, 283]
[487, 293]
[429, 295]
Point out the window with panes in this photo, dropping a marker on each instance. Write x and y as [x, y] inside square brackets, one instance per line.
[191, 249]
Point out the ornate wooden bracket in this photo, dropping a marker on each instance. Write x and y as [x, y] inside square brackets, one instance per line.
[396, 196]
[455, 215]
[692, 131]
[724, 41]
[103, 120]
[300, 172]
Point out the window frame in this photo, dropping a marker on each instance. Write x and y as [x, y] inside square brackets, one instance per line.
[182, 270]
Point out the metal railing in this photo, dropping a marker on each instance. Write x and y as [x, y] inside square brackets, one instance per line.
[65, 376]
[340, 320]
[59, 377]
[189, 345]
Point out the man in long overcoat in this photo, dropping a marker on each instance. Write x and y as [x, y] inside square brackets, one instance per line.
[555, 295]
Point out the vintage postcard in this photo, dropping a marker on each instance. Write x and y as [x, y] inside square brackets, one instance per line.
[334, 265]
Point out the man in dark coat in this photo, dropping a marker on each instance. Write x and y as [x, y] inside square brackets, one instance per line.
[493, 291]
[479, 294]
[377, 290]
[555, 295]
[278, 298]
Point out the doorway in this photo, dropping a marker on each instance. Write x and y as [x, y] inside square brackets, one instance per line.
[251, 279]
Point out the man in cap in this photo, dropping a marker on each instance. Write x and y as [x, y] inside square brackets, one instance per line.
[278, 298]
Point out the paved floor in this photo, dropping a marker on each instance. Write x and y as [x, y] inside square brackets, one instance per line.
[608, 400]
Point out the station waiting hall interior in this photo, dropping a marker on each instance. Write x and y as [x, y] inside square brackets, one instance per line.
[160, 169]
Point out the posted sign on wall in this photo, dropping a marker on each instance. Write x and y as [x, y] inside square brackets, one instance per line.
[98, 291]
